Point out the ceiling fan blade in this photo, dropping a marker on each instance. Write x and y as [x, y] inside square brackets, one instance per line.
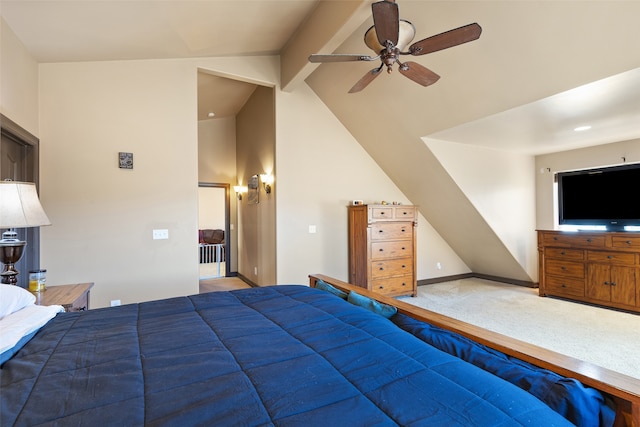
[364, 82]
[446, 40]
[386, 20]
[418, 73]
[339, 57]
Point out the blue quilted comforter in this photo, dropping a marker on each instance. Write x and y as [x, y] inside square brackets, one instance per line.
[284, 355]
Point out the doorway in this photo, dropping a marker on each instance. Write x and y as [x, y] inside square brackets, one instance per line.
[213, 230]
[19, 162]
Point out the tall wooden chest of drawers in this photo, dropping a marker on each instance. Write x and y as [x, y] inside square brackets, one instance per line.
[382, 248]
[596, 267]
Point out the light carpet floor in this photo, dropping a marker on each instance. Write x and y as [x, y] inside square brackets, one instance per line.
[604, 337]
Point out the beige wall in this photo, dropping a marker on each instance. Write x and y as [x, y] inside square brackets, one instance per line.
[321, 168]
[501, 187]
[103, 216]
[256, 142]
[586, 158]
[18, 81]
[217, 150]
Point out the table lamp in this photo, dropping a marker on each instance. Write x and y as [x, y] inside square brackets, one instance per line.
[19, 208]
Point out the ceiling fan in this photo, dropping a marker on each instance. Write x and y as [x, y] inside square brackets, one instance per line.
[390, 35]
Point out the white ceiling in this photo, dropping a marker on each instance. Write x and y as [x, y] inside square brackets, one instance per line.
[99, 30]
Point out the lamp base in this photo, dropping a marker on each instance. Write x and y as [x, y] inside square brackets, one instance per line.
[10, 253]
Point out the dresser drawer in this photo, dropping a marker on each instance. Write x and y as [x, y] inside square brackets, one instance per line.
[391, 249]
[393, 285]
[562, 253]
[382, 212]
[564, 268]
[392, 231]
[631, 242]
[392, 212]
[402, 213]
[612, 257]
[561, 286]
[574, 240]
[392, 267]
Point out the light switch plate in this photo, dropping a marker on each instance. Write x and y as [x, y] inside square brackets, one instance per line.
[160, 234]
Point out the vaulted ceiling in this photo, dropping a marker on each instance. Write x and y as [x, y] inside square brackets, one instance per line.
[540, 69]
[519, 40]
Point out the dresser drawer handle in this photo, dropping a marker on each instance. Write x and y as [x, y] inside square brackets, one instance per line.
[563, 253]
[381, 268]
[609, 257]
[380, 287]
[613, 283]
[628, 242]
[555, 238]
[404, 249]
[563, 268]
[404, 284]
[404, 266]
[381, 213]
[563, 285]
[404, 230]
[606, 283]
[589, 240]
[380, 231]
[381, 250]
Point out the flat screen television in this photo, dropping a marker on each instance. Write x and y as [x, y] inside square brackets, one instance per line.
[605, 196]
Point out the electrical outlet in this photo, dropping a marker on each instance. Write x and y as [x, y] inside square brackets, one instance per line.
[115, 302]
[255, 270]
[439, 266]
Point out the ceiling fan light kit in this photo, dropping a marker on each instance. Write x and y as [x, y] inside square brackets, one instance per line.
[389, 37]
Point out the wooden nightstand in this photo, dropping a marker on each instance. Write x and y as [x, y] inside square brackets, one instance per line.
[71, 297]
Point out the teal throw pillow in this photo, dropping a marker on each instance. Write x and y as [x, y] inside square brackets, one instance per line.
[324, 286]
[377, 307]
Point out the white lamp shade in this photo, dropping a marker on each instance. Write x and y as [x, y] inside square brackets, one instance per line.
[19, 205]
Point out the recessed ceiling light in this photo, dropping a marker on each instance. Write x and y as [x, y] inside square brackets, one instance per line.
[582, 128]
[212, 114]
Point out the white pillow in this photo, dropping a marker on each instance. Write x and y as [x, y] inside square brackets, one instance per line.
[14, 298]
[16, 329]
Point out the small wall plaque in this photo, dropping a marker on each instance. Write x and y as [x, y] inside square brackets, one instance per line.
[126, 160]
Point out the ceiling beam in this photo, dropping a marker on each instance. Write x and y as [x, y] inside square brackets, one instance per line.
[327, 28]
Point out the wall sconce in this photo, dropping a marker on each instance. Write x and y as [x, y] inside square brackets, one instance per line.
[239, 189]
[267, 182]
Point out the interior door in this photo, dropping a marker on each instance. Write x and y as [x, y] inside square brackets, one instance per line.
[18, 162]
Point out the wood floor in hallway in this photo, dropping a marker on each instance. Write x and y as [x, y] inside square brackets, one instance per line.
[222, 284]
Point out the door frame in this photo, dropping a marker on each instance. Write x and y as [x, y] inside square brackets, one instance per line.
[227, 222]
[9, 129]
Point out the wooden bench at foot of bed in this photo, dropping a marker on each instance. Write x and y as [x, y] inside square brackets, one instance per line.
[624, 390]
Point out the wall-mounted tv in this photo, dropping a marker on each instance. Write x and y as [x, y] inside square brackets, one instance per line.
[605, 196]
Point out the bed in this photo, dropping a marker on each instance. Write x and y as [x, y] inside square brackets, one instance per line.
[324, 354]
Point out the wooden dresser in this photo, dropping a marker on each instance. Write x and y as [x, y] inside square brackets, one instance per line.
[597, 267]
[382, 248]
